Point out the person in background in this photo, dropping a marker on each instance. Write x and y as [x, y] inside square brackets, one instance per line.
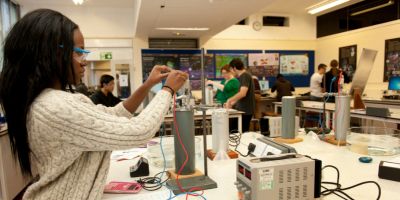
[105, 95]
[331, 78]
[244, 100]
[228, 87]
[316, 82]
[82, 88]
[282, 87]
[62, 134]
[257, 87]
[257, 95]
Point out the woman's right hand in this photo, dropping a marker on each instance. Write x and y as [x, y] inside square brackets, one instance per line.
[210, 82]
[176, 79]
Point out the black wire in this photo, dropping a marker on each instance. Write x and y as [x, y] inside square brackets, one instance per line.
[155, 182]
[363, 183]
[334, 193]
[338, 187]
[337, 171]
[152, 183]
[234, 141]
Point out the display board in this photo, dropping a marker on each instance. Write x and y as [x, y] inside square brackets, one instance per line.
[191, 63]
[348, 60]
[296, 66]
[149, 60]
[264, 64]
[263, 59]
[224, 57]
[392, 58]
[186, 60]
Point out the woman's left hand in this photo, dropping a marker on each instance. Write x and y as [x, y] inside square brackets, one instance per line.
[157, 74]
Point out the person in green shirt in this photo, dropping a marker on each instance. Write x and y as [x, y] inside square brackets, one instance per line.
[228, 87]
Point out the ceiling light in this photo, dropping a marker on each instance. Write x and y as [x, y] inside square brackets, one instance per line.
[178, 34]
[325, 5]
[78, 2]
[183, 29]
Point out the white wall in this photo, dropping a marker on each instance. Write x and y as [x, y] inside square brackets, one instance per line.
[372, 38]
[97, 22]
[301, 27]
[117, 53]
[245, 43]
[105, 28]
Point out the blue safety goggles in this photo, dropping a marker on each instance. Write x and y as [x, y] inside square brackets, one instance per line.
[81, 54]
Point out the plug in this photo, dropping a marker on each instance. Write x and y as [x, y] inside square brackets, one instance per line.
[251, 148]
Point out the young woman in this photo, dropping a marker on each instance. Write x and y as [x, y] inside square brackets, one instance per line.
[66, 136]
[228, 87]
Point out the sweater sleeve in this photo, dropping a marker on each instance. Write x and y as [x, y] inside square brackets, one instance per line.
[89, 128]
[117, 110]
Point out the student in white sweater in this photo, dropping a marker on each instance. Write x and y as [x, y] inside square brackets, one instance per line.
[316, 83]
[64, 135]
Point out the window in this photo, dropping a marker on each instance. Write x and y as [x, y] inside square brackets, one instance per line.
[10, 14]
[275, 21]
[359, 15]
[243, 22]
[392, 58]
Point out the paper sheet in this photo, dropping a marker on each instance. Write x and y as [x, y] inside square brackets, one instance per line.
[127, 154]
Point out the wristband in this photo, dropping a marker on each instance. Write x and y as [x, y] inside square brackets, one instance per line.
[170, 89]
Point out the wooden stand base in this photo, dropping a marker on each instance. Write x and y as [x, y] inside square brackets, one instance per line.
[357, 103]
[173, 174]
[332, 140]
[288, 141]
[232, 154]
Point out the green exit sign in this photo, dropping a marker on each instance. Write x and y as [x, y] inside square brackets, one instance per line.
[105, 56]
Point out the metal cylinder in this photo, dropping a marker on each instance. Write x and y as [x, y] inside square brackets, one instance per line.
[342, 116]
[288, 117]
[220, 130]
[209, 96]
[185, 125]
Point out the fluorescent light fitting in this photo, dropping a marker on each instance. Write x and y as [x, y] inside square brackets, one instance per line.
[182, 29]
[178, 34]
[325, 6]
[78, 2]
[389, 3]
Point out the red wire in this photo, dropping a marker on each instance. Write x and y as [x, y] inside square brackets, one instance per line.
[186, 160]
[338, 103]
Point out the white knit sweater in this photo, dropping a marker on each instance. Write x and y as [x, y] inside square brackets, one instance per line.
[71, 140]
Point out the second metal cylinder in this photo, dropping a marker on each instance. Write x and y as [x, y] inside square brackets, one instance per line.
[185, 125]
[288, 117]
[342, 117]
[220, 130]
